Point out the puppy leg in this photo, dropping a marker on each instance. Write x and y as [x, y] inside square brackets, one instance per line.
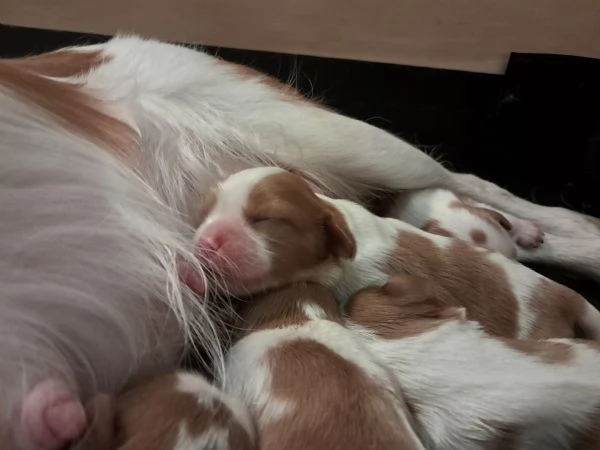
[524, 233]
[52, 415]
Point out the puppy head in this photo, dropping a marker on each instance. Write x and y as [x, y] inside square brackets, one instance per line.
[265, 227]
[405, 306]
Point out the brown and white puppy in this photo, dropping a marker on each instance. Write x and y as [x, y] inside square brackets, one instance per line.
[309, 382]
[470, 390]
[440, 211]
[265, 226]
[178, 411]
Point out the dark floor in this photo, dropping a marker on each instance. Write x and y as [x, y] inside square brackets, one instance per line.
[534, 130]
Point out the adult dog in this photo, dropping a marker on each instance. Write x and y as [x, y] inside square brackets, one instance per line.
[106, 151]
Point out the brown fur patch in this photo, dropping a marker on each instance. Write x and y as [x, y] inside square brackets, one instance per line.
[302, 230]
[68, 104]
[149, 417]
[558, 310]
[406, 306]
[282, 307]
[478, 236]
[433, 226]
[334, 404]
[461, 275]
[547, 351]
[62, 63]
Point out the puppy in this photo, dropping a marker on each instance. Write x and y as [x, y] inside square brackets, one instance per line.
[309, 382]
[442, 212]
[264, 226]
[472, 391]
[177, 411]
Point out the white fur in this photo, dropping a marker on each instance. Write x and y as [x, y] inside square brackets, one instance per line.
[217, 439]
[208, 394]
[420, 206]
[571, 231]
[249, 377]
[376, 238]
[458, 379]
[89, 291]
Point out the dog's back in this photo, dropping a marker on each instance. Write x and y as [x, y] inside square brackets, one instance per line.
[310, 384]
[530, 394]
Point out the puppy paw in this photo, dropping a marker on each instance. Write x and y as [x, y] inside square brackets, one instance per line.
[526, 234]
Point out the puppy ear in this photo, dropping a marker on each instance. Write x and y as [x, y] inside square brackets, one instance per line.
[495, 216]
[340, 240]
[101, 434]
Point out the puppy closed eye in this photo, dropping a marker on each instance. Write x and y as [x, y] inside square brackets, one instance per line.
[262, 219]
[269, 223]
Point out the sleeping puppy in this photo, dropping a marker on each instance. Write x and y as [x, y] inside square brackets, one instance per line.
[309, 381]
[440, 211]
[176, 411]
[265, 227]
[470, 390]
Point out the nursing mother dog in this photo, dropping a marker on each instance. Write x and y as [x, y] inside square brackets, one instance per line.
[105, 150]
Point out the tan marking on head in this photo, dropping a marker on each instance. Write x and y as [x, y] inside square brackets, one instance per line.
[406, 306]
[315, 183]
[434, 227]
[478, 236]
[558, 310]
[302, 230]
[282, 307]
[462, 276]
[70, 106]
[325, 391]
[149, 417]
[62, 63]
[547, 351]
[492, 217]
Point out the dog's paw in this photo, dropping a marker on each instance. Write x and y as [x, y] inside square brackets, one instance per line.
[527, 234]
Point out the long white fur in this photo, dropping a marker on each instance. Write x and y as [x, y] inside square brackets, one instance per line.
[465, 386]
[88, 286]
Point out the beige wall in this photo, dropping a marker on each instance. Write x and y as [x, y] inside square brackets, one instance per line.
[475, 35]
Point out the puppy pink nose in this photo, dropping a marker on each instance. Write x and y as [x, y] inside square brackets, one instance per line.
[213, 243]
